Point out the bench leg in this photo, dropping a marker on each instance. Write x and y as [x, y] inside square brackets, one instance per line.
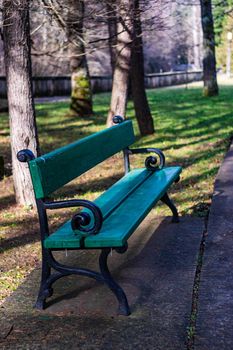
[47, 279]
[115, 288]
[44, 291]
[166, 200]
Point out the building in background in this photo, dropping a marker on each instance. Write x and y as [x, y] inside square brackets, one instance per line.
[171, 35]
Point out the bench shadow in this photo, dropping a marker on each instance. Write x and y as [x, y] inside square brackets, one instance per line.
[156, 273]
[148, 272]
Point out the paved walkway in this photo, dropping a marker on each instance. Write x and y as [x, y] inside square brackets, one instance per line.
[52, 99]
[157, 274]
[215, 316]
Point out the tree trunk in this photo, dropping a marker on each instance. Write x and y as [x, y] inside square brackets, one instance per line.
[112, 31]
[196, 28]
[81, 94]
[123, 55]
[209, 61]
[16, 34]
[141, 106]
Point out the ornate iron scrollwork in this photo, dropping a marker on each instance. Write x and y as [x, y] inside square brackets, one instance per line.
[117, 119]
[81, 221]
[151, 162]
[25, 155]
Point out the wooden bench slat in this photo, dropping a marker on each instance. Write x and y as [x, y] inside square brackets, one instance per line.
[107, 202]
[63, 238]
[125, 219]
[113, 197]
[75, 159]
[145, 189]
[123, 206]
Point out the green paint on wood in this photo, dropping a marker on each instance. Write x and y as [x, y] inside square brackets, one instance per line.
[55, 169]
[124, 206]
[107, 202]
[64, 237]
[125, 219]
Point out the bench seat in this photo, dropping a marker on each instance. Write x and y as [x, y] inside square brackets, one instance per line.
[124, 205]
[111, 219]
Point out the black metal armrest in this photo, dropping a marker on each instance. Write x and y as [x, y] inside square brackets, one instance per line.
[151, 161]
[80, 220]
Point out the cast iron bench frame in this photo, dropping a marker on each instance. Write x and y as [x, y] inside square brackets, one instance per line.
[82, 220]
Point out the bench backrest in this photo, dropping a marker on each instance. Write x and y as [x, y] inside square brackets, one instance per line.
[55, 169]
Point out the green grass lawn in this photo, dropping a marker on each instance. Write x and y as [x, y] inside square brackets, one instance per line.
[193, 132]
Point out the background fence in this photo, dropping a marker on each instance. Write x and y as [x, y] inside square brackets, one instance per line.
[61, 86]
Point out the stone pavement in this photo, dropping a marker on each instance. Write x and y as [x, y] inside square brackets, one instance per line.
[157, 273]
[215, 311]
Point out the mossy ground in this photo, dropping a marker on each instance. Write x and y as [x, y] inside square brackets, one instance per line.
[193, 131]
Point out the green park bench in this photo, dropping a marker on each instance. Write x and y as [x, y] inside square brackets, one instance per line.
[109, 221]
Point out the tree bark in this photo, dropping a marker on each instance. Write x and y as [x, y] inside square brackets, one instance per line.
[81, 94]
[16, 34]
[112, 31]
[69, 16]
[123, 56]
[196, 28]
[209, 60]
[141, 106]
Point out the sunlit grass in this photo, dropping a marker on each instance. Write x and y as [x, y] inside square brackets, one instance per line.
[193, 132]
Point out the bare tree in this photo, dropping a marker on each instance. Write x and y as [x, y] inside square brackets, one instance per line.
[112, 30]
[141, 106]
[19, 89]
[196, 29]
[209, 60]
[123, 57]
[81, 96]
[70, 15]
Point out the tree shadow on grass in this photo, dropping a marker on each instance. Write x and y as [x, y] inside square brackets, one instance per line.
[204, 129]
[27, 230]
[7, 201]
[197, 157]
[19, 241]
[24, 231]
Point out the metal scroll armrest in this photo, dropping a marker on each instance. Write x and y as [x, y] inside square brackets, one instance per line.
[151, 162]
[81, 220]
